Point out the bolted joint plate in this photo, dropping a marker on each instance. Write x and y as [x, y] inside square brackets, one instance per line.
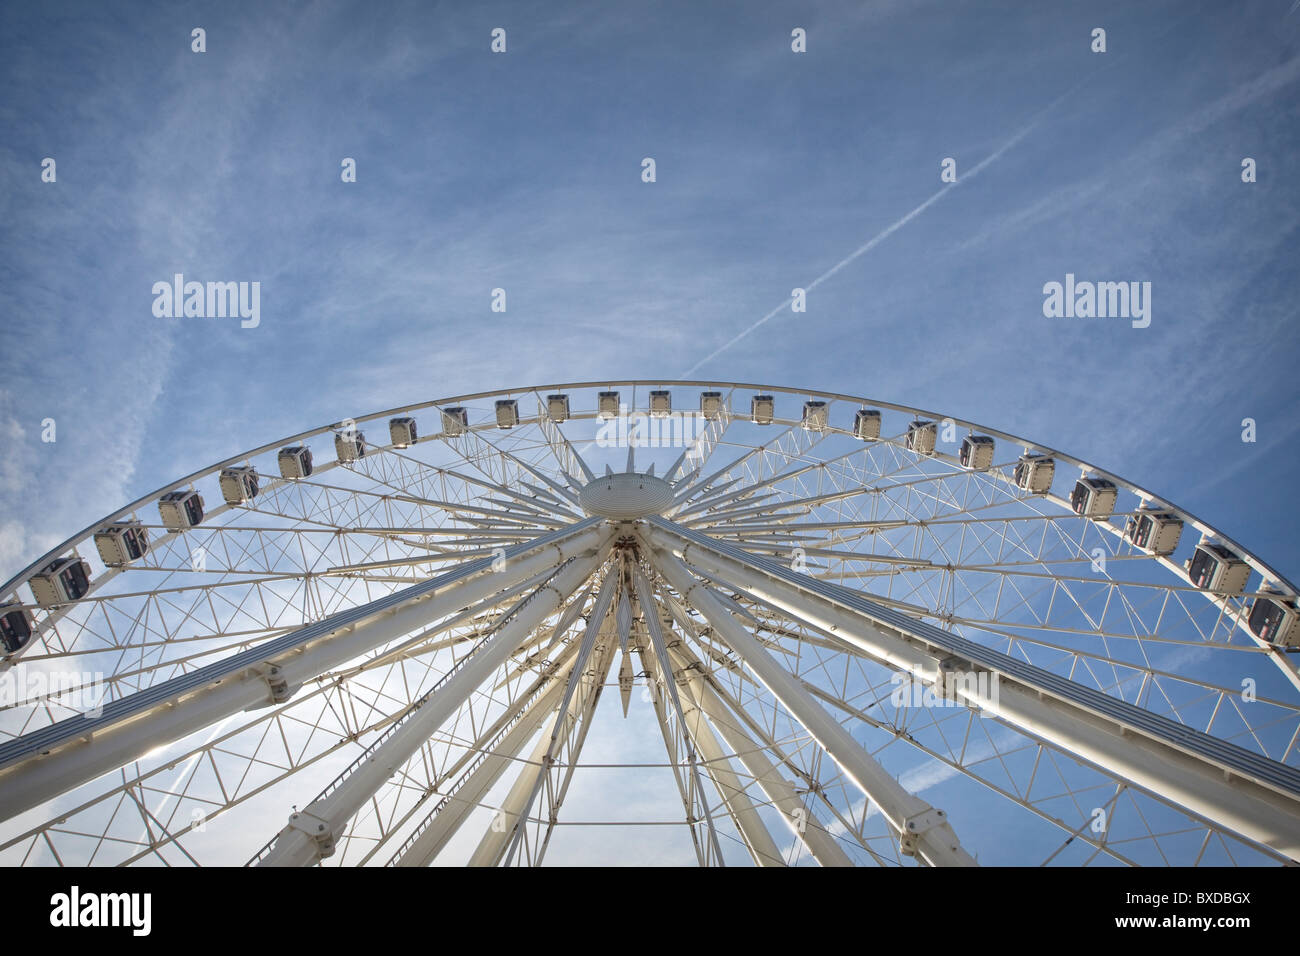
[316, 828]
[277, 684]
[918, 824]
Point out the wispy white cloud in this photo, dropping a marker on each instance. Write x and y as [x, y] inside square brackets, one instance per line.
[892, 228]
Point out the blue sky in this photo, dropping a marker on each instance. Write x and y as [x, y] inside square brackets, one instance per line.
[522, 171]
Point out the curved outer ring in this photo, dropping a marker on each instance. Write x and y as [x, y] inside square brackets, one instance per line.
[9, 590]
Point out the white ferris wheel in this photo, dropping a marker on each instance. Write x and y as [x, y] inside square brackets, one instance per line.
[758, 624]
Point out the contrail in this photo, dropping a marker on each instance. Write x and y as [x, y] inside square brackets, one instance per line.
[894, 227]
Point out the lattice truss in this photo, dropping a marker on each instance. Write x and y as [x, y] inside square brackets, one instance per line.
[458, 735]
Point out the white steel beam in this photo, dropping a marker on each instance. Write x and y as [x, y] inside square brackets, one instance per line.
[662, 667]
[802, 819]
[512, 816]
[600, 610]
[493, 844]
[689, 787]
[311, 833]
[752, 746]
[758, 840]
[74, 751]
[923, 830]
[599, 676]
[1232, 788]
[496, 753]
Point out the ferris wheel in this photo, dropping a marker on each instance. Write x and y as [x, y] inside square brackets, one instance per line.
[650, 621]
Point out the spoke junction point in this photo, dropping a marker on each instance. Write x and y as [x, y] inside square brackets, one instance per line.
[626, 495]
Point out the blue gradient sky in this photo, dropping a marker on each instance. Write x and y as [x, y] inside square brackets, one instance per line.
[522, 171]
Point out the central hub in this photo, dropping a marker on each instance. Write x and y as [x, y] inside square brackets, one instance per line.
[626, 495]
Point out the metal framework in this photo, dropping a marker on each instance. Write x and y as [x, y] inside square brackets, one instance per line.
[833, 640]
